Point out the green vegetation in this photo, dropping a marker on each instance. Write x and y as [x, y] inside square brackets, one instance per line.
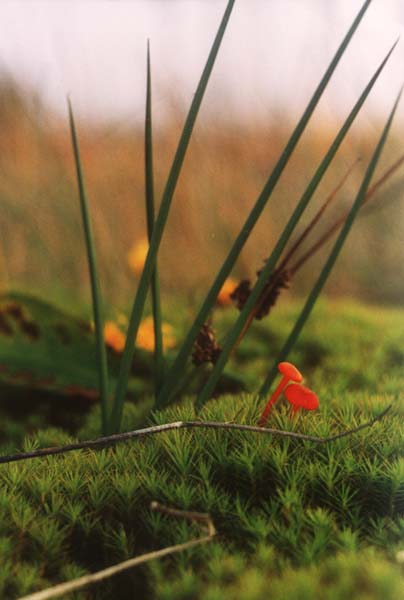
[171, 379]
[293, 518]
[102, 366]
[168, 388]
[270, 264]
[150, 216]
[159, 226]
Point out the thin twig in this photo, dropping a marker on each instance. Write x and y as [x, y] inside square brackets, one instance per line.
[331, 197]
[283, 265]
[75, 584]
[284, 262]
[339, 222]
[204, 518]
[139, 433]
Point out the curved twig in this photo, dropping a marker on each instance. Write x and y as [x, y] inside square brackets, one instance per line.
[139, 433]
[76, 584]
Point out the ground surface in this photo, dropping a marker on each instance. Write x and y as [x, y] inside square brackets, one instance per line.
[295, 520]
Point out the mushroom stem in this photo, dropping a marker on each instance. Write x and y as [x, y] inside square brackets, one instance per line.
[264, 415]
[289, 373]
[293, 411]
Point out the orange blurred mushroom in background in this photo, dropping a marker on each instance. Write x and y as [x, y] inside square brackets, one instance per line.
[223, 298]
[145, 335]
[137, 256]
[113, 336]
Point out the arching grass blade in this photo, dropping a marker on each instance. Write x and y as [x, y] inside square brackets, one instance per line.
[339, 222]
[160, 222]
[94, 279]
[175, 372]
[235, 332]
[308, 307]
[319, 214]
[149, 181]
[283, 265]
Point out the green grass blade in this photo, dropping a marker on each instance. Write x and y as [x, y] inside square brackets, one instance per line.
[160, 222]
[308, 307]
[155, 284]
[175, 372]
[95, 286]
[339, 222]
[238, 327]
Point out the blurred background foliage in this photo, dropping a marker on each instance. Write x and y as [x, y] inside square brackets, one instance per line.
[41, 239]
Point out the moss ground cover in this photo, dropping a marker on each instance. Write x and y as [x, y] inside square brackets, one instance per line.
[293, 516]
[294, 520]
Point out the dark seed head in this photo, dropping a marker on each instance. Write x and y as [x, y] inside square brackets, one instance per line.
[277, 281]
[206, 349]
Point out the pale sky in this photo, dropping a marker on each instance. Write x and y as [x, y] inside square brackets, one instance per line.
[272, 56]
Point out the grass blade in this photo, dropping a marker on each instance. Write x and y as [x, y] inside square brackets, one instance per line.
[94, 279]
[282, 266]
[330, 199]
[308, 307]
[155, 284]
[238, 327]
[160, 222]
[175, 372]
[339, 222]
[323, 239]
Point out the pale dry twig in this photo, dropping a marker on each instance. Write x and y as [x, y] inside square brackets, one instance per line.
[76, 584]
[139, 433]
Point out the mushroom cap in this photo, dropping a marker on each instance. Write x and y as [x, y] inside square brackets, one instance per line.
[290, 371]
[301, 396]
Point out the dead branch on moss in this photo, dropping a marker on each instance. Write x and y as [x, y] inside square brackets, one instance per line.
[75, 584]
[140, 433]
[203, 518]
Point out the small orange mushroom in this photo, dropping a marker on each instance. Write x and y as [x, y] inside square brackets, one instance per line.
[300, 396]
[290, 373]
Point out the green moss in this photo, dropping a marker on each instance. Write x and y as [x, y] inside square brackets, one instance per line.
[295, 519]
[307, 502]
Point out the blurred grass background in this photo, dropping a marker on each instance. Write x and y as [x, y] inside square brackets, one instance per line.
[41, 240]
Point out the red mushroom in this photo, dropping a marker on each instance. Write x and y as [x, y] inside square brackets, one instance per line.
[300, 396]
[290, 373]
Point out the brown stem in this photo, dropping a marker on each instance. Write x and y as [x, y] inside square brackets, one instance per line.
[316, 217]
[246, 327]
[324, 238]
[291, 252]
